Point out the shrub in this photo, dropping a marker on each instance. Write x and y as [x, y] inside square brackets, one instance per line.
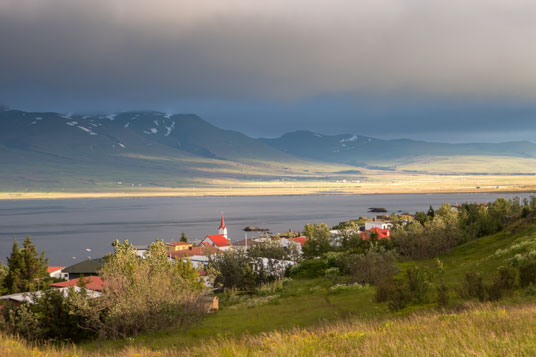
[332, 273]
[527, 273]
[340, 288]
[384, 291]
[530, 290]
[443, 295]
[374, 267]
[143, 295]
[418, 284]
[472, 287]
[400, 296]
[506, 278]
[311, 268]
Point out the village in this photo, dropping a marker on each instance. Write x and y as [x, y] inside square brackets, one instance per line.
[85, 274]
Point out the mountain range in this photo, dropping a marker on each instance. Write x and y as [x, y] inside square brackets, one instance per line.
[60, 151]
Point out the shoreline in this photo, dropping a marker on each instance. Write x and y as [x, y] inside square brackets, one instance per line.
[24, 196]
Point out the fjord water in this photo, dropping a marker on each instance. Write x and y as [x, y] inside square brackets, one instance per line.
[73, 230]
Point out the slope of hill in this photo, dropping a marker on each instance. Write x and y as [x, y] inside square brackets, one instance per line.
[366, 151]
[51, 151]
[306, 319]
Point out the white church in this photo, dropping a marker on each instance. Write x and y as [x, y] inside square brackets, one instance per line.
[219, 240]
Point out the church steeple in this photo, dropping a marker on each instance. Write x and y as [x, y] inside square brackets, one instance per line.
[222, 229]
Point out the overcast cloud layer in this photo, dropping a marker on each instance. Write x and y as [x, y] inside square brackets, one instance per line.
[374, 61]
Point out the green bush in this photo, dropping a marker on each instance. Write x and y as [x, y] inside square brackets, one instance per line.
[443, 295]
[527, 273]
[400, 296]
[384, 291]
[340, 288]
[418, 284]
[472, 287]
[311, 268]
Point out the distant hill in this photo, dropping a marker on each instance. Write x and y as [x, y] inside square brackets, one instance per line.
[58, 151]
[365, 151]
[53, 151]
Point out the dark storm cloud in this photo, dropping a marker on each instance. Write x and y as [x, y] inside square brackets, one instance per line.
[370, 55]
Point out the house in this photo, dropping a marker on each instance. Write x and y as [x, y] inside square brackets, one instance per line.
[90, 282]
[141, 250]
[377, 224]
[198, 256]
[194, 251]
[57, 272]
[176, 246]
[86, 268]
[380, 234]
[20, 298]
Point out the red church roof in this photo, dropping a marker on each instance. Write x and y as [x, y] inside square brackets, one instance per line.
[222, 225]
[219, 240]
[93, 283]
[382, 233]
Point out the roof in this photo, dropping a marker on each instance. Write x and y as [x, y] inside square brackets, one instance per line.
[87, 266]
[178, 243]
[300, 240]
[29, 297]
[222, 224]
[194, 251]
[53, 269]
[219, 240]
[250, 241]
[382, 233]
[93, 283]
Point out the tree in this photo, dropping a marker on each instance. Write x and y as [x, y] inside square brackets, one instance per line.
[184, 238]
[143, 294]
[431, 212]
[231, 269]
[27, 268]
[319, 240]
[4, 270]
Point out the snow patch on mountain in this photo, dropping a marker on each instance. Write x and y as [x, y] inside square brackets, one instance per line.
[353, 138]
[170, 129]
[154, 130]
[86, 130]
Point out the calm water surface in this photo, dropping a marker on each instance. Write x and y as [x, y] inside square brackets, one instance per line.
[65, 229]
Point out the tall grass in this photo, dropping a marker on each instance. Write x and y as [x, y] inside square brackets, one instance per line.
[478, 330]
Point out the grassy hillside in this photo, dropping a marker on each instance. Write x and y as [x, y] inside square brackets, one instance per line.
[308, 315]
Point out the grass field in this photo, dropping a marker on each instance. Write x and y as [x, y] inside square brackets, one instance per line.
[373, 183]
[479, 330]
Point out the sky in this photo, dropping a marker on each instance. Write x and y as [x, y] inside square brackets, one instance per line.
[437, 70]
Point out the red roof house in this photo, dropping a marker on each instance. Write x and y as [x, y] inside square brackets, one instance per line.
[380, 233]
[203, 251]
[301, 240]
[56, 272]
[93, 283]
